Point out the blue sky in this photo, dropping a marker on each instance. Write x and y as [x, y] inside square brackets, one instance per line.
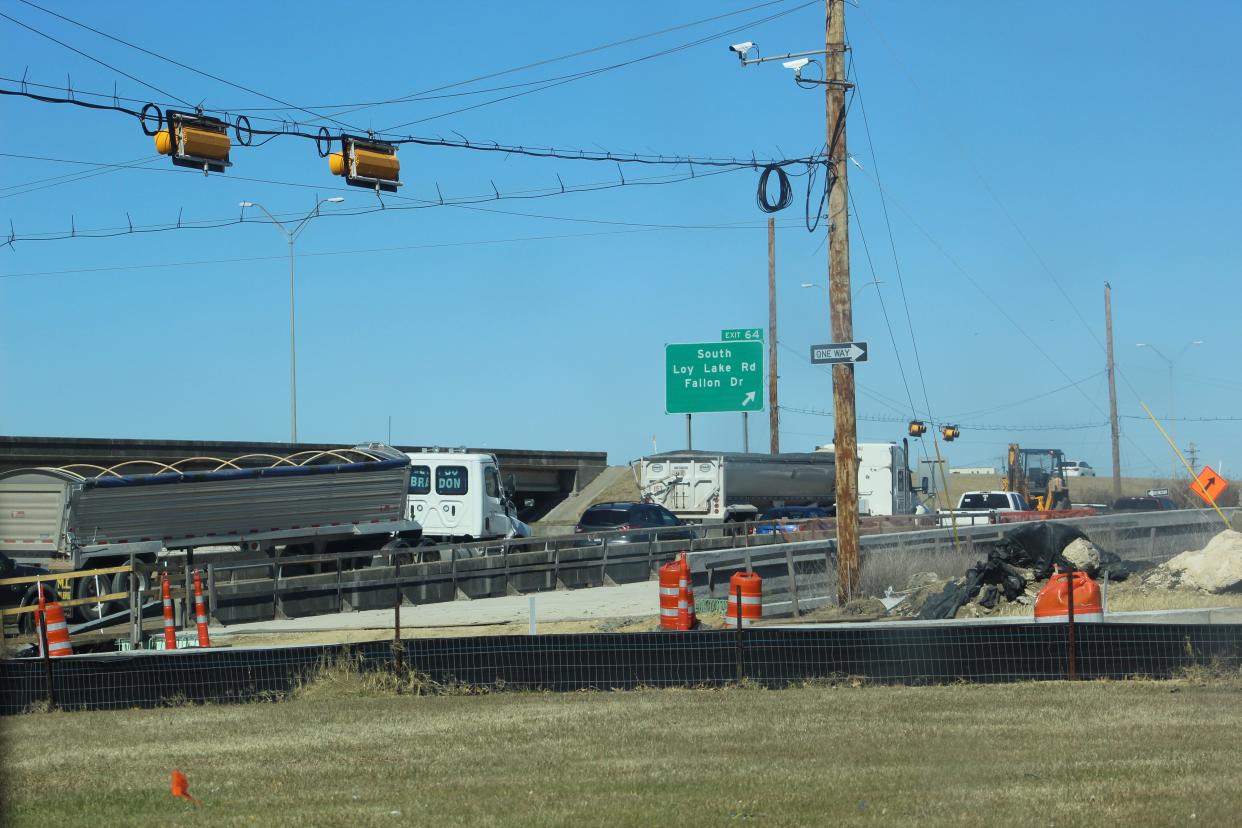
[1029, 153]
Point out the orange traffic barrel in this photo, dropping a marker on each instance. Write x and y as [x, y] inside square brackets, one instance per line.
[1052, 603]
[55, 627]
[751, 608]
[670, 594]
[200, 612]
[685, 596]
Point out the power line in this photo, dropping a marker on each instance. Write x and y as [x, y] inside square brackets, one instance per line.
[1013, 222]
[95, 59]
[414, 96]
[973, 426]
[563, 153]
[362, 251]
[420, 204]
[69, 178]
[592, 73]
[182, 65]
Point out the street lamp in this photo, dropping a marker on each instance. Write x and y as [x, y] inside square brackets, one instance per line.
[291, 236]
[875, 282]
[1171, 363]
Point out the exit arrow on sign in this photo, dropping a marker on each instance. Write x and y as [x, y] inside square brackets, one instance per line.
[838, 352]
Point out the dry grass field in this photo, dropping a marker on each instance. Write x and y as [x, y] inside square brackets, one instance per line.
[349, 751]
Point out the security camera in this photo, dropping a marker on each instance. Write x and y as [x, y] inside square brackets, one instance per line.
[742, 50]
[796, 65]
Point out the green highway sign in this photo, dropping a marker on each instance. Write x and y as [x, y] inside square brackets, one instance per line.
[713, 376]
[741, 335]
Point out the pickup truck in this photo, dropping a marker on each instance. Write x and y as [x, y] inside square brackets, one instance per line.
[975, 508]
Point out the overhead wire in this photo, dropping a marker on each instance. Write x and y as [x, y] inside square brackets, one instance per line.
[68, 178]
[600, 70]
[364, 251]
[178, 63]
[416, 204]
[102, 63]
[968, 157]
[563, 153]
[357, 107]
[1000, 307]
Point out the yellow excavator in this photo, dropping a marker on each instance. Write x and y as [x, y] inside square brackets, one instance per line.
[1039, 476]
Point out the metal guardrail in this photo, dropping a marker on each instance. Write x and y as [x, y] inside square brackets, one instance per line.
[798, 576]
[795, 567]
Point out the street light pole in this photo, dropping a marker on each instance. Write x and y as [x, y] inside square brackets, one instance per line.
[291, 237]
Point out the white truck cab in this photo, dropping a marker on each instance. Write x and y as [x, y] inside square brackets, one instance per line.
[885, 486]
[458, 496]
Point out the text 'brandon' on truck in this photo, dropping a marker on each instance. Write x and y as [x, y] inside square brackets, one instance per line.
[311, 503]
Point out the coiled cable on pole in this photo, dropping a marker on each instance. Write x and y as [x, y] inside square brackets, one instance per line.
[784, 196]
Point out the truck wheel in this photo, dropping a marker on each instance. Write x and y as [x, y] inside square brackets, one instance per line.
[399, 546]
[26, 621]
[90, 588]
[121, 583]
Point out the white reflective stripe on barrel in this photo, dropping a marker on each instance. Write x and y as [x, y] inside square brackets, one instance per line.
[746, 599]
[670, 591]
[1079, 617]
[59, 625]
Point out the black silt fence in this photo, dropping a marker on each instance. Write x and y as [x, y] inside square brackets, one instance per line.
[893, 654]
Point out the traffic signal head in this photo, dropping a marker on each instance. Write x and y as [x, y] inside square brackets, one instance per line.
[950, 433]
[917, 428]
[367, 163]
[195, 141]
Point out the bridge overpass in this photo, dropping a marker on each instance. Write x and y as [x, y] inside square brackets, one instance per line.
[544, 477]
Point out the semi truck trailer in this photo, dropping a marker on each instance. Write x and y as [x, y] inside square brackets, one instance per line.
[714, 487]
[321, 502]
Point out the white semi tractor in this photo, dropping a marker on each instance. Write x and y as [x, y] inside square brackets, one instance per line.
[459, 496]
[87, 517]
[715, 487]
[885, 485]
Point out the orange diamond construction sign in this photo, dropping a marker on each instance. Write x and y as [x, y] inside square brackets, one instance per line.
[1209, 485]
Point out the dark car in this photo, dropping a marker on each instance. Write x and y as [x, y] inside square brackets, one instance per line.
[21, 595]
[1143, 504]
[636, 523]
[789, 518]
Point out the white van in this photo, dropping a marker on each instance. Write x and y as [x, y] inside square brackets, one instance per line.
[458, 496]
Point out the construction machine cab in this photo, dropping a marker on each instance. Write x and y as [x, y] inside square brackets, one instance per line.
[1030, 471]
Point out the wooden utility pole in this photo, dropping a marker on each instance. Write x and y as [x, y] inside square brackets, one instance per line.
[1112, 391]
[774, 413]
[840, 306]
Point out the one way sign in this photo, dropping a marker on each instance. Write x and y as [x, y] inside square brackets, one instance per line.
[837, 352]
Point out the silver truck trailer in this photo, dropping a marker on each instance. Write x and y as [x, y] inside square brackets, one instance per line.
[346, 500]
[712, 487]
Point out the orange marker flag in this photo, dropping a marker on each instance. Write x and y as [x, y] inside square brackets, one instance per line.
[181, 787]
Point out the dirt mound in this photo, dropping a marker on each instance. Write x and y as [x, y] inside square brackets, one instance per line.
[1215, 568]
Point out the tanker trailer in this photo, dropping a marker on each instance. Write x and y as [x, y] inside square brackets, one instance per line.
[713, 487]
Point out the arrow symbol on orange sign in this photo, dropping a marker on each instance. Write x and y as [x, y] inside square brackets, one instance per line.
[1211, 482]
